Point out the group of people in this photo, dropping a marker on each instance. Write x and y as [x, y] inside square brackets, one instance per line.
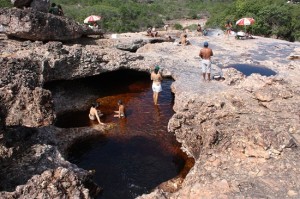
[95, 114]
[152, 32]
[156, 77]
[56, 9]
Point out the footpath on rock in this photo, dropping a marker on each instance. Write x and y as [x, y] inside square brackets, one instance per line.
[243, 132]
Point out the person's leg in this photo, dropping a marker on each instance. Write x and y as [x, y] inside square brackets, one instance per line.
[203, 75]
[208, 70]
[203, 69]
[154, 93]
[156, 98]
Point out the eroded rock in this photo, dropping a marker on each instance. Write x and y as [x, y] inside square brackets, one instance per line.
[34, 25]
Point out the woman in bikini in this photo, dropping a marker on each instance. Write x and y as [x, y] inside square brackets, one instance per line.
[156, 85]
[93, 115]
[121, 111]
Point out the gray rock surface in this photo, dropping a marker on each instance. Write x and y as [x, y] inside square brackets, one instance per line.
[40, 5]
[243, 132]
[34, 25]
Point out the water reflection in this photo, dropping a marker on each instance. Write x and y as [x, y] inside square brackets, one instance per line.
[138, 153]
[248, 69]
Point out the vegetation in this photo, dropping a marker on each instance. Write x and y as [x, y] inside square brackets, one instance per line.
[275, 18]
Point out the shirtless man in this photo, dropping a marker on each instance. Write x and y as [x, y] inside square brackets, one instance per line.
[93, 115]
[205, 54]
[121, 111]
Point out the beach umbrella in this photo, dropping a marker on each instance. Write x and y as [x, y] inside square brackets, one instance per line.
[92, 18]
[245, 22]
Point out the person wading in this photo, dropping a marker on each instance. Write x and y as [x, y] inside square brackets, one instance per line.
[156, 85]
[205, 54]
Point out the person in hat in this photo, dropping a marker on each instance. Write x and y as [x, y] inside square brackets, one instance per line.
[156, 85]
[121, 111]
[93, 114]
[205, 54]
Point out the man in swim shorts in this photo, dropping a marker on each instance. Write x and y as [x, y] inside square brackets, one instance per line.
[156, 85]
[205, 54]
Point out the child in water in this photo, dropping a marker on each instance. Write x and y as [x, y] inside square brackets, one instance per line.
[121, 111]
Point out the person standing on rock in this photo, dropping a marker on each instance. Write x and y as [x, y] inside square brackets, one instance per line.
[156, 85]
[93, 115]
[205, 54]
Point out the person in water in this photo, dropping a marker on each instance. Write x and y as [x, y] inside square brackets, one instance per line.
[156, 85]
[121, 111]
[93, 115]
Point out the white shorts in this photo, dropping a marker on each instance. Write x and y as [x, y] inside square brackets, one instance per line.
[156, 87]
[206, 66]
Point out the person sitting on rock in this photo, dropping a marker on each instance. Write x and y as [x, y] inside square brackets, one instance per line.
[199, 29]
[60, 10]
[53, 9]
[151, 32]
[184, 41]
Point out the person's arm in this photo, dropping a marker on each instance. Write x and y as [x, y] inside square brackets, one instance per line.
[201, 54]
[119, 111]
[97, 116]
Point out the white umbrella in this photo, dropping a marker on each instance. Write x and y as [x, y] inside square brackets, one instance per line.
[92, 18]
[245, 22]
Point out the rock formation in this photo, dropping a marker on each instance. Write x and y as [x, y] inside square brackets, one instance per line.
[34, 25]
[39, 5]
[243, 132]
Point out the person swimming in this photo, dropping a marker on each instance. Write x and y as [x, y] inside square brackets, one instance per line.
[121, 111]
[93, 114]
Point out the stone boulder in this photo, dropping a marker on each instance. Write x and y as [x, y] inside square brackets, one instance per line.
[33, 25]
[40, 5]
[21, 3]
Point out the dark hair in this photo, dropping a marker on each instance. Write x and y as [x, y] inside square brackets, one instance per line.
[156, 70]
[53, 4]
[120, 102]
[95, 105]
[59, 6]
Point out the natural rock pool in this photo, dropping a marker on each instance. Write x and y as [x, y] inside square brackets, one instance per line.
[248, 69]
[138, 154]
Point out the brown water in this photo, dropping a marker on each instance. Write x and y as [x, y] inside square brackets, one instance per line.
[138, 153]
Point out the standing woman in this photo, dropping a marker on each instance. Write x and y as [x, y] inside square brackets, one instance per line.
[156, 85]
[228, 27]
